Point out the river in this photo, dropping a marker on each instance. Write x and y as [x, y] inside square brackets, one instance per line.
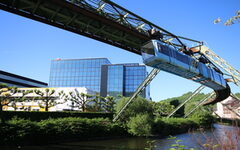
[220, 133]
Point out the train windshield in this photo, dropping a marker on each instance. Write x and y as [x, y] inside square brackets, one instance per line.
[148, 50]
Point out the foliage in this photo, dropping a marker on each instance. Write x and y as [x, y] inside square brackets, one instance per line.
[204, 118]
[5, 95]
[138, 106]
[140, 125]
[176, 101]
[38, 116]
[5, 98]
[162, 108]
[47, 98]
[22, 131]
[96, 103]
[189, 105]
[233, 20]
[19, 98]
[135, 116]
[177, 145]
[179, 98]
[109, 104]
[172, 126]
[79, 100]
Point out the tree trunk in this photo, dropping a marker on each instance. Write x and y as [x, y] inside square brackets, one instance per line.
[46, 107]
[83, 107]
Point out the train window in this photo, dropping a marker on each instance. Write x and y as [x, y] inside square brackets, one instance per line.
[182, 58]
[148, 51]
[148, 48]
[163, 49]
[194, 63]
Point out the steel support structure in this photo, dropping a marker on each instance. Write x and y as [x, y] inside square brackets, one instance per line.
[199, 104]
[107, 22]
[140, 88]
[199, 89]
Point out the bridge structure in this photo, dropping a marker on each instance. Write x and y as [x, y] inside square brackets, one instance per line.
[110, 23]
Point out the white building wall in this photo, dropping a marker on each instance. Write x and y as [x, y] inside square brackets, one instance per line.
[34, 104]
[223, 112]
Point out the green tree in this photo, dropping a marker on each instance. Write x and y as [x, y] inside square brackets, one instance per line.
[19, 98]
[47, 98]
[138, 106]
[162, 108]
[97, 103]
[6, 93]
[140, 125]
[79, 100]
[189, 105]
[109, 104]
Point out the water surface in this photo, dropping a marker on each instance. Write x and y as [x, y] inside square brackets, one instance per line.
[191, 140]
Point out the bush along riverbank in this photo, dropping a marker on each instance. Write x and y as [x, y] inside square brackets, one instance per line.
[141, 118]
[144, 118]
[20, 131]
[24, 132]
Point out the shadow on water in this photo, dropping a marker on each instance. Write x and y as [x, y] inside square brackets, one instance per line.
[191, 140]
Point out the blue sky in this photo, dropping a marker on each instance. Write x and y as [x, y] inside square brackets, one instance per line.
[27, 46]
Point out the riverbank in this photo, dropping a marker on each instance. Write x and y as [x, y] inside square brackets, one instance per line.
[26, 132]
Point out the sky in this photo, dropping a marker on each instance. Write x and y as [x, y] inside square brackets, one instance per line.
[27, 46]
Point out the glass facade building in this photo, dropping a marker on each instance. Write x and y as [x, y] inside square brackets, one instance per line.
[99, 75]
[19, 81]
[77, 73]
[134, 75]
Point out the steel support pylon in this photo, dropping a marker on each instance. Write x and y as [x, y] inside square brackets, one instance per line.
[199, 89]
[199, 104]
[140, 88]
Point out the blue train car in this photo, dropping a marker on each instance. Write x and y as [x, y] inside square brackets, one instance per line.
[165, 57]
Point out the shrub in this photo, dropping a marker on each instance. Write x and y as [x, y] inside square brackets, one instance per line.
[204, 119]
[138, 106]
[20, 131]
[76, 127]
[140, 125]
[38, 116]
[172, 126]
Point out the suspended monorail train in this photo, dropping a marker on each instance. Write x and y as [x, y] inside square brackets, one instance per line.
[163, 56]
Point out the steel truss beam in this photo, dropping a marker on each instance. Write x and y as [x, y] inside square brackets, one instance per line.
[140, 88]
[199, 89]
[121, 28]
